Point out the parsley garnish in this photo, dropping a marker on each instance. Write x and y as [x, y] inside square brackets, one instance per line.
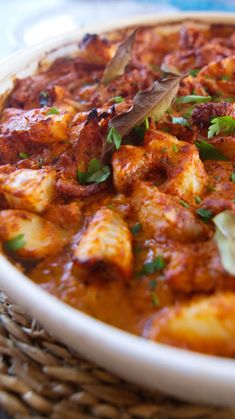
[193, 99]
[117, 99]
[157, 265]
[184, 203]
[53, 111]
[23, 155]
[194, 72]
[197, 199]
[232, 177]
[225, 124]
[146, 123]
[175, 148]
[96, 173]
[180, 120]
[15, 243]
[209, 151]
[136, 228]
[114, 137]
[155, 299]
[153, 284]
[204, 213]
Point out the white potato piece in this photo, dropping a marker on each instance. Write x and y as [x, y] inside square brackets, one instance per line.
[206, 324]
[107, 240]
[32, 190]
[40, 238]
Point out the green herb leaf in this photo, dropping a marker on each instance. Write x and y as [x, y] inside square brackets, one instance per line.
[15, 243]
[157, 265]
[136, 228]
[154, 299]
[117, 99]
[184, 203]
[116, 66]
[53, 111]
[175, 148]
[152, 102]
[197, 199]
[225, 78]
[225, 239]
[96, 173]
[146, 123]
[23, 155]
[194, 72]
[153, 284]
[204, 213]
[221, 124]
[232, 177]
[114, 137]
[180, 120]
[209, 151]
[193, 99]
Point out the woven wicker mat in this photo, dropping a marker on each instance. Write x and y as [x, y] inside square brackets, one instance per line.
[40, 377]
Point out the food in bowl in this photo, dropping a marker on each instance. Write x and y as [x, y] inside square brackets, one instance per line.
[117, 181]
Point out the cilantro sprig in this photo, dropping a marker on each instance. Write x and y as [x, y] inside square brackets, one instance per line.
[96, 173]
[221, 124]
[204, 213]
[53, 111]
[209, 151]
[193, 99]
[15, 243]
[114, 137]
[157, 265]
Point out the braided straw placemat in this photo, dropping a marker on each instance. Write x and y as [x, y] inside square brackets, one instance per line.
[40, 377]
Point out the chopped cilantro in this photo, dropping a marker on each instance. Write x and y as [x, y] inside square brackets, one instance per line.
[53, 111]
[232, 177]
[153, 284]
[197, 199]
[175, 148]
[225, 78]
[157, 265]
[211, 188]
[96, 173]
[209, 151]
[193, 99]
[23, 155]
[146, 123]
[117, 99]
[194, 72]
[180, 120]
[136, 228]
[163, 150]
[204, 213]
[155, 299]
[114, 137]
[139, 131]
[224, 124]
[15, 243]
[184, 203]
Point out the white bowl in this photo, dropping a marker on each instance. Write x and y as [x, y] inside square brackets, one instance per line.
[185, 374]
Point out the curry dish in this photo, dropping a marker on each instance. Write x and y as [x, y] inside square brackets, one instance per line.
[117, 181]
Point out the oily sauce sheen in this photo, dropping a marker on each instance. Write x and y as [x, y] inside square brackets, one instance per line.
[125, 232]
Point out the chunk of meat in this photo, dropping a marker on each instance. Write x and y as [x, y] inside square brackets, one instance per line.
[107, 241]
[205, 112]
[195, 267]
[162, 216]
[218, 77]
[68, 216]
[40, 238]
[32, 190]
[206, 325]
[37, 125]
[185, 172]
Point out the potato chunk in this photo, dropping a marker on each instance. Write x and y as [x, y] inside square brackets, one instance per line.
[40, 238]
[185, 173]
[205, 325]
[107, 240]
[36, 125]
[32, 190]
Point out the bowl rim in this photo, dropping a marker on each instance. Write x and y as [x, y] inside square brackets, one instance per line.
[70, 324]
